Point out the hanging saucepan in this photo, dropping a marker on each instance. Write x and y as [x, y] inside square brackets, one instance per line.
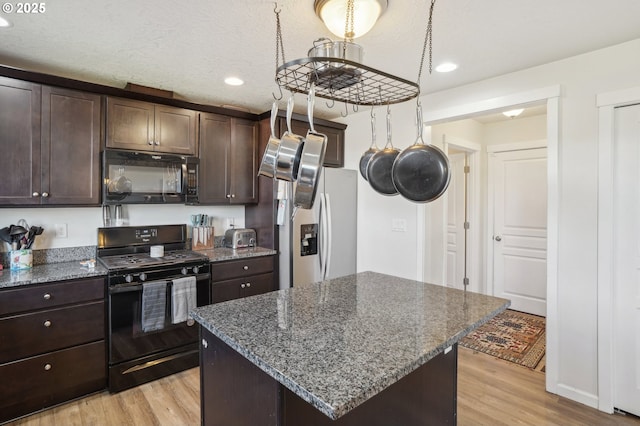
[421, 172]
[380, 164]
[311, 160]
[288, 158]
[269, 158]
[364, 160]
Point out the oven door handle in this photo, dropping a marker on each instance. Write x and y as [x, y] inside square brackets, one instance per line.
[127, 288]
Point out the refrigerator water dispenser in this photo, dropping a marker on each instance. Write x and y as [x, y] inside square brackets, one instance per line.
[308, 239]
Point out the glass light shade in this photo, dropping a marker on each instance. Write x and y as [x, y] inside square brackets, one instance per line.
[513, 112]
[365, 14]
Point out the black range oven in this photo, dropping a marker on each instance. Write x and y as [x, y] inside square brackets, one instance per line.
[150, 333]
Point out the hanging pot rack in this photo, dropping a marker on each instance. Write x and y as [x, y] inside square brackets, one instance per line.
[346, 81]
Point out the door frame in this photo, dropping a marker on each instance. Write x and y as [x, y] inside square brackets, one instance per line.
[493, 149]
[551, 96]
[606, 103]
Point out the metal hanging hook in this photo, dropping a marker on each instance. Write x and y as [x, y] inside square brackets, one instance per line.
[346, 111]
[275, 7]
[333, 103]
[281, 95]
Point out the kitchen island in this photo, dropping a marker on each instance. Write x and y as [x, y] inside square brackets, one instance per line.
[362, 349]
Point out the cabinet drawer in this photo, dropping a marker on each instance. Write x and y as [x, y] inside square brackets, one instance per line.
[43, 331]
[50, 295]
[39, 382]
[241, 268]
[242, 287]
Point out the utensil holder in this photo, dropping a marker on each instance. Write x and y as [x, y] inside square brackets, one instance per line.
[21, 259]
[202, 237]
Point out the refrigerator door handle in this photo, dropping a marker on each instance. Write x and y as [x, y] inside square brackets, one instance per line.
[329, 234]
[321, 240]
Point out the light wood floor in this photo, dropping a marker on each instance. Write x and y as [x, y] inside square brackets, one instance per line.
[490, 392]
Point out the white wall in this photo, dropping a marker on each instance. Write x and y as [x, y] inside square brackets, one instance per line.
[83, 222]
[581, 78]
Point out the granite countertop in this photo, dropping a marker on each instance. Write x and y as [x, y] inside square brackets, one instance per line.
[60, 271]
[220, 254]
[339, 342]
[49, 272]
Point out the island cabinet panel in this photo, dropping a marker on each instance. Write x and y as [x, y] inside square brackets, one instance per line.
[145, 126]
[241, 278]
[233, 391]
[425, 397]
[52, 344]
[50, 144]
[228, 160]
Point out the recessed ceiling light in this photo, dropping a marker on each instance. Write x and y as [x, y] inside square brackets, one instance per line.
[513, 112]
[446, 67]
[4, 23]
[233, 81]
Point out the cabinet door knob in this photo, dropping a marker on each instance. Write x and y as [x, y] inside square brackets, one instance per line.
[242, 285]
[245, 267]
[157, 143]
[47, 296]
[36, 194]
[150, 142]
[205, 344]
[497, 238]
[47, 367]
[47, 323]
[228, 195]
[233, 195]
[248, 284]
[45, 194]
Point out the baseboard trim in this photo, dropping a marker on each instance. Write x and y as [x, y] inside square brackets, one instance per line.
[577, 395]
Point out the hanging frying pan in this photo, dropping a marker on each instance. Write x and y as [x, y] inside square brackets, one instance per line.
[421, 172]
[288, 158]
[364, 160]
[270, 156]
[311, 160]
[380, 164]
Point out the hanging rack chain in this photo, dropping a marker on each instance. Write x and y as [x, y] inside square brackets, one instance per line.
[279, 43]
[348, 22]
[428, 39]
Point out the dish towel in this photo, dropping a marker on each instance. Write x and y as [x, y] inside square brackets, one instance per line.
[154, 305]
[183, 298]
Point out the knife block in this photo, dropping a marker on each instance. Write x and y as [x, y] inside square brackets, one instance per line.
[202, 237]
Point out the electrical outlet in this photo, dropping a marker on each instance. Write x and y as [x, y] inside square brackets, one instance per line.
[61, 230]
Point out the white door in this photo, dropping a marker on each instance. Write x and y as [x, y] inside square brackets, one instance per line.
[456, 212]
[626, 255]
[519, 187]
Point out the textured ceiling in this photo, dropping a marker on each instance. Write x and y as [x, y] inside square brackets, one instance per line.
[190, 47]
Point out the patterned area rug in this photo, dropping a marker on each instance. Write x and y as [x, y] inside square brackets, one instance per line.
[511, 335]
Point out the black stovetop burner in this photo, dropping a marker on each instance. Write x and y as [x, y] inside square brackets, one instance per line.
[128, 247]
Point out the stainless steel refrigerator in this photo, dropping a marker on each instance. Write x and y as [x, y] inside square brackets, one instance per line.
[320, 243]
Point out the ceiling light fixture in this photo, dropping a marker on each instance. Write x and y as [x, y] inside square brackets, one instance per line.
[4, 23]
[234, 81]
[366, 12]
[446, 67]
[513, 112]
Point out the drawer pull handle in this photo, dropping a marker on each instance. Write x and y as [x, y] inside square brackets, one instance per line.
[47, 296]
[47, 367]
[245, 267]
[47, 323]
[248, 284]
[242, 285]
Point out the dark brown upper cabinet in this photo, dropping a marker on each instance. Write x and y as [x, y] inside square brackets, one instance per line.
[228, 160]
[334, 155]
[145, 126]
[50, 144]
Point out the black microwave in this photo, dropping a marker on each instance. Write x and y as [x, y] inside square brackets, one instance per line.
[130, 177]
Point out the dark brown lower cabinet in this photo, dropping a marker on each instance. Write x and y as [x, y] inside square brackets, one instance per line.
[52, 344]
[31, 384]
[235, 391]
[242, 278]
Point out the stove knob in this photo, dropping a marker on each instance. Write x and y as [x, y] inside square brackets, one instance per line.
[128, 278]
[195, 269]
[185, 271]
[143, 276]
